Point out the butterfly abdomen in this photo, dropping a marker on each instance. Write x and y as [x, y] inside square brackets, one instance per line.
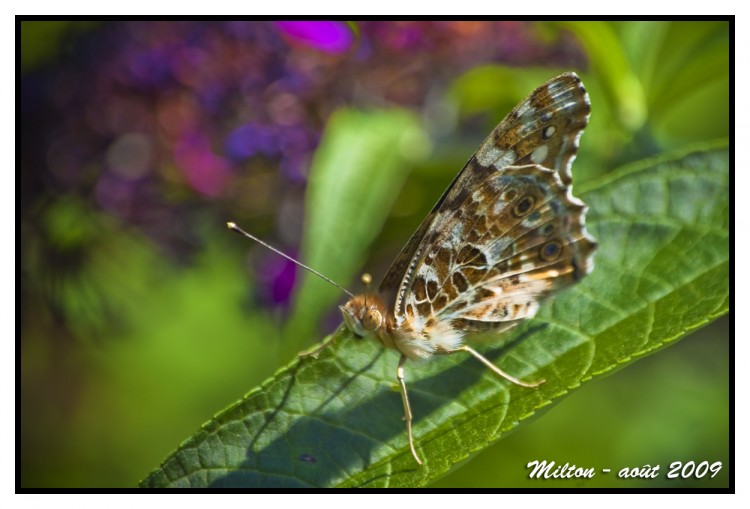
[422, 339]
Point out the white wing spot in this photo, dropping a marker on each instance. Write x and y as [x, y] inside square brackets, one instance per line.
[539, 154]
[488, 155]
[549, 131]
[523, 109]
[553, 87]
[508, 158]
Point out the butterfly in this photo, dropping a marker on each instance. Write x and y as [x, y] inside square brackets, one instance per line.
[507, 233]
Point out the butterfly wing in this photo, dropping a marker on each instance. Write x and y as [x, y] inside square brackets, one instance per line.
[518, 237]
[507, 231]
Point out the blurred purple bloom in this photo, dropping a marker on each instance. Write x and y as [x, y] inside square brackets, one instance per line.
[236, 108]
[328, 36]
[408, 37]
[206, 172]
[241, 29]
[251, 139]
[116, 194]
[211, 96]
[276, 277]
[150, 68]
[294, 167]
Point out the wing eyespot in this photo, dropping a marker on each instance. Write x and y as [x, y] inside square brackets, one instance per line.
[550, 250]
[524, 206]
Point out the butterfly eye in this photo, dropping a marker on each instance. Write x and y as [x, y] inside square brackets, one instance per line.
[524, 206]
[372, 319]
[550, 250]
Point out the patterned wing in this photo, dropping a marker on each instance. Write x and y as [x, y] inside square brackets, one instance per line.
[431, 271]
[516, 238]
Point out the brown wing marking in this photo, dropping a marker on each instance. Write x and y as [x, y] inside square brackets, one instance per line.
[509, 253]
[552, 116]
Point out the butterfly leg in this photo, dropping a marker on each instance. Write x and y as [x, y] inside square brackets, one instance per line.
[407, 407]
[497, 370]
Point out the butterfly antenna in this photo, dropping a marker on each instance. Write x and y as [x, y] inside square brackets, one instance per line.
[366, 280]
[234, 227]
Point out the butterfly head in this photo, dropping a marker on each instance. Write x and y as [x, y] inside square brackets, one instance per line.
[364, 315]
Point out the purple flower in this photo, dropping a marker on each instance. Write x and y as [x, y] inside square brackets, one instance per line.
[206, 172]
[150, 68]
[276, 278]
[251, 139]
[116, 194]
[328, 36]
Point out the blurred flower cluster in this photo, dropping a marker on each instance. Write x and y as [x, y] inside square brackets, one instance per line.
[157, 122]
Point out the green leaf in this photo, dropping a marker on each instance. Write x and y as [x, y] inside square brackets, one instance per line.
[621, 86]
[669, 80]
[662, 270]
[683, 67]
[690, 82]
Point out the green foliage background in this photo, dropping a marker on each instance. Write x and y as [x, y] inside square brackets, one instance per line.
[654, 86]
